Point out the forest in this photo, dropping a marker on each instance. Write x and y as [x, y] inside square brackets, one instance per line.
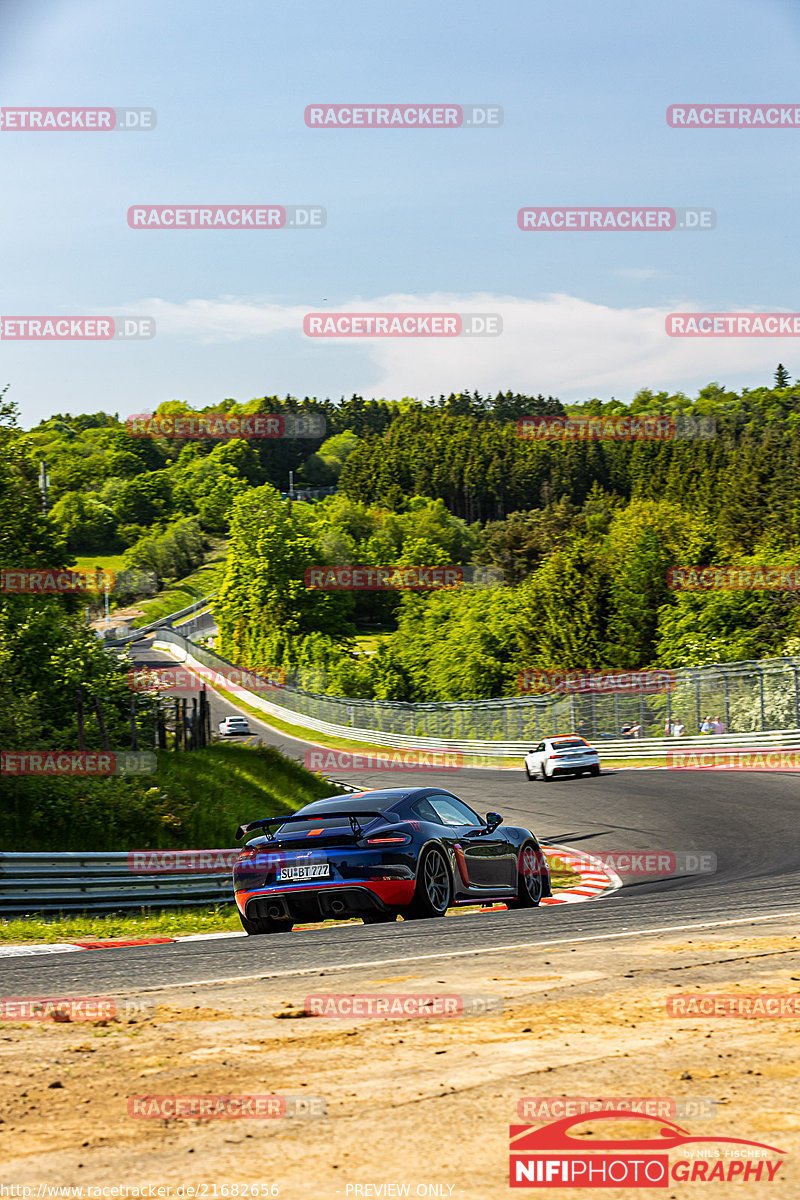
[575, 536]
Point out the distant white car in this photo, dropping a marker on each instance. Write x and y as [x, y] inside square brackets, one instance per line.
[234, 725]
[561, 756]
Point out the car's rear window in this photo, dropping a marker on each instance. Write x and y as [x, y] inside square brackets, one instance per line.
[562, 742]
[338, 811]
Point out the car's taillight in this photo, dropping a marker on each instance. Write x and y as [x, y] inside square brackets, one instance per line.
[246, 854]
[395, 840]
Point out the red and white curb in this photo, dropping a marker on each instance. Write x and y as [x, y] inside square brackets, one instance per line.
[596, 880]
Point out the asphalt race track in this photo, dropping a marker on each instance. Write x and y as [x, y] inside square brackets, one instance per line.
[749, 820]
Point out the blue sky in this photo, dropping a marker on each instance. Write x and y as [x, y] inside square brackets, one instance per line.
[415, 218]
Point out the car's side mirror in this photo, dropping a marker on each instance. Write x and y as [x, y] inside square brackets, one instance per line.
[493, 820]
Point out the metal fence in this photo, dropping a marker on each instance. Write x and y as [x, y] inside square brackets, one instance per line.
[746, 697]
[101, 882]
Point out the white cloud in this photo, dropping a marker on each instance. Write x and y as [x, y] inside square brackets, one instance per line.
[555, 343]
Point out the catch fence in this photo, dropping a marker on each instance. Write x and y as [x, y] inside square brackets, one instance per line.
[744, 697]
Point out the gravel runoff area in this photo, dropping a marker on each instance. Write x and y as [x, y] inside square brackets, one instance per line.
[417, 1103]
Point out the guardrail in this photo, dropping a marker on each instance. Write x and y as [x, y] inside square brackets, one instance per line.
[101, 882]
[201, 660]
[163, 622]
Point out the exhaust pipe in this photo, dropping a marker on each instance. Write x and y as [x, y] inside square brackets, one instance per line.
[337, 906]
[275, 912]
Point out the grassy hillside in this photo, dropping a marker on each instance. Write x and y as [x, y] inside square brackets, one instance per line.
[182, 593]
[194, 801]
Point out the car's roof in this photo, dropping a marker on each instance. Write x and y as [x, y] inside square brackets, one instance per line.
[380, 800]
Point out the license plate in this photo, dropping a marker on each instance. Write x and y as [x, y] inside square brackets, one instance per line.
[312, 871]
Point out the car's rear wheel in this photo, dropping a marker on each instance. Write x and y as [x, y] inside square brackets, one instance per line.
[253, 925]
[530, 879]
[545, 777]
[528, 772]
[595, 770]
[434, 889]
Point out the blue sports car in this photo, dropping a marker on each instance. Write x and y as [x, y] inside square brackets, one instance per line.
[413, 852]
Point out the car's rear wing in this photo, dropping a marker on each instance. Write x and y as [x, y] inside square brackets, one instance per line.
[351, 815]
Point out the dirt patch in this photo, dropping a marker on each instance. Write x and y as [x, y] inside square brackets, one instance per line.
[407, 1101]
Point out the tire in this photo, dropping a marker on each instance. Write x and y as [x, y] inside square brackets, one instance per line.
[379, 918]
[545, 777]
[594, 770]
[256, 925]
[527, 772]
[434, 890]
[530, 883]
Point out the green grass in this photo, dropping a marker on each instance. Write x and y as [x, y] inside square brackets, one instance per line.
[169, 922]
[216, 789]
[182, 593]
[194, 800]
[108, 562]
[369, 642]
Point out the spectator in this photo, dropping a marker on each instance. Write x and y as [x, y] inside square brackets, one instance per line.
[582, 730]
[676, 729]
[626, 731]
[718, 726]
[707, 726]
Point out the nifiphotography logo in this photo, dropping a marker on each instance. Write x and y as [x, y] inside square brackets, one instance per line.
[551, 1157]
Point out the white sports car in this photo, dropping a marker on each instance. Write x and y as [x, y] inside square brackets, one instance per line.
[561, 756]
[234, 727]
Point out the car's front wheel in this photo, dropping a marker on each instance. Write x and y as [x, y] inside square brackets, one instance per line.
[253, 925]
[434, 890]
